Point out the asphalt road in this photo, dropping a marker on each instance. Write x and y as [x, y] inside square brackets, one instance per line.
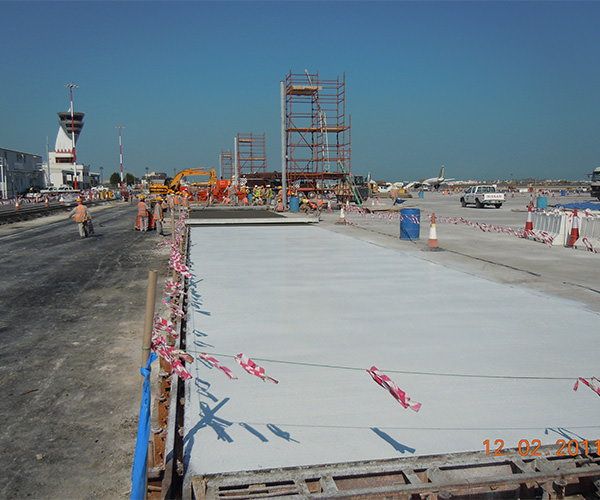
[71, 326]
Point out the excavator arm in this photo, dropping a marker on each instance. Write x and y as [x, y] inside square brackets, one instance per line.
[176, 182]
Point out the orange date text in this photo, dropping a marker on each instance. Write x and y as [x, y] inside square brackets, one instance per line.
[527, 448]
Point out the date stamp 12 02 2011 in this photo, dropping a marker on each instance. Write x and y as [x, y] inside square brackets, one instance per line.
[531, 448]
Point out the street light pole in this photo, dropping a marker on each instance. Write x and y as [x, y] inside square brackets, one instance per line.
[72, 86]
[121, 157]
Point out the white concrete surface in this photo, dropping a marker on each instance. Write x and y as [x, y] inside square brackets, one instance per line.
[285, 296]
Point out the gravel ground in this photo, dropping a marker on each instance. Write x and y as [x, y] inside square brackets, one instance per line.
[69, 368]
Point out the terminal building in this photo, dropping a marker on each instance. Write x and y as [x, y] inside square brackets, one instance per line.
[19, 172]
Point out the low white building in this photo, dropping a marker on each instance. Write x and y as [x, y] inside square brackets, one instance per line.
[19, 172]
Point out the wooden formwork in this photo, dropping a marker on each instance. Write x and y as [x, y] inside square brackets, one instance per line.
[461, 476]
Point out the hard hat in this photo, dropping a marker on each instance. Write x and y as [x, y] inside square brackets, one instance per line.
[158, 198]
[142, 197]
[79, 199]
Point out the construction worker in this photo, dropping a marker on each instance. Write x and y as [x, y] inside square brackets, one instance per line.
[81, 216]
[143, 214]
[158, 215]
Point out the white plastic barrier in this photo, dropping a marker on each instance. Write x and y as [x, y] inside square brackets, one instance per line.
[551, 227]
[589, 232]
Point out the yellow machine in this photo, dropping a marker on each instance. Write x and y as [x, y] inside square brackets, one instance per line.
[158, 189]
[175, 185]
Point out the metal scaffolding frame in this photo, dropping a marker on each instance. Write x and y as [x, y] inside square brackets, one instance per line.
[251, 154]
[318, 139]
[226, 164]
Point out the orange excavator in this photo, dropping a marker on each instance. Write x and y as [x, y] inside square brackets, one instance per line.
[200, 190]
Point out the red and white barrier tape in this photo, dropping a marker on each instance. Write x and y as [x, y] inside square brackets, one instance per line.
[214, 362]
[175, 309]
[164, 325]
[172, 356]
[593, 384]
[385, 382]
[252, 368]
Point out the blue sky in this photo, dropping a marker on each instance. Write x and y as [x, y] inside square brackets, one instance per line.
[490, 89]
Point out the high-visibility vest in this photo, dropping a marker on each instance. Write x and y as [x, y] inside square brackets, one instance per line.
[158, 211]
[142, 209]
[80, 214]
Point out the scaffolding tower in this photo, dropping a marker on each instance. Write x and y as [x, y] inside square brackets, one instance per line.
[226, 164]
[251, 154]
[317, 135]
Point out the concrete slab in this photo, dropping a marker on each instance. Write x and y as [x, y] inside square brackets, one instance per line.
[315, 308]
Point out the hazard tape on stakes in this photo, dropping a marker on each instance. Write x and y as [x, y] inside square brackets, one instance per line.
[214, 362]
[175, 309]
[172, 356]
[593, 384]
[398, 394]
[252, 368]
[164, 325]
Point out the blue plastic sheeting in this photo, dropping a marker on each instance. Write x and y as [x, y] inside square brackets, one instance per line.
[584, 205]
[140, 460]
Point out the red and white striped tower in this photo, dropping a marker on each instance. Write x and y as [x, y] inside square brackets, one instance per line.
[72, 86]
[121, 158]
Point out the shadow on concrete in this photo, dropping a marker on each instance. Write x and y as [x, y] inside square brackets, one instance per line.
[395, 444]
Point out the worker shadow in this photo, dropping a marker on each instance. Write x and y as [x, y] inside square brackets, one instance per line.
[395, 444]
[208, 418]
[281, 433]
[202, 344]
[196, 302]
[254, 432]
[566, 433]
[202, 386]
[194, 280]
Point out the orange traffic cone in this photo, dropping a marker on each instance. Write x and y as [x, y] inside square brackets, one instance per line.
[17, 206]
[61, 200]
[46, 202]
[433, 242]
[574, 230]
[529, 223]
[342, 219]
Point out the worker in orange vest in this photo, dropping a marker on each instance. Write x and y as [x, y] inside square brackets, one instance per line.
[158, 215]
[81, 216]
[143, 214]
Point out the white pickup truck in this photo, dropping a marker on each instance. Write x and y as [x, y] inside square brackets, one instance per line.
[482, 195]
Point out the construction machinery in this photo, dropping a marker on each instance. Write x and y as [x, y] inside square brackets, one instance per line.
[158, 189]
[199, 190]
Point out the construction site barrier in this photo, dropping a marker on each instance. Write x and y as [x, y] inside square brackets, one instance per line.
[140, 460]
[410, 223]
[550, 227]
[589, 233]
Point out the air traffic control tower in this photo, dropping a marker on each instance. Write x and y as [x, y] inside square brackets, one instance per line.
[64, 144]
[61, 159]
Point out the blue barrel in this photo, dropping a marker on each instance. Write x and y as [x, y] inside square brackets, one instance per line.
[249, 197]
[563, 192]
[410, 223]
[294, 204]
[542, 202]
[421, 195]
